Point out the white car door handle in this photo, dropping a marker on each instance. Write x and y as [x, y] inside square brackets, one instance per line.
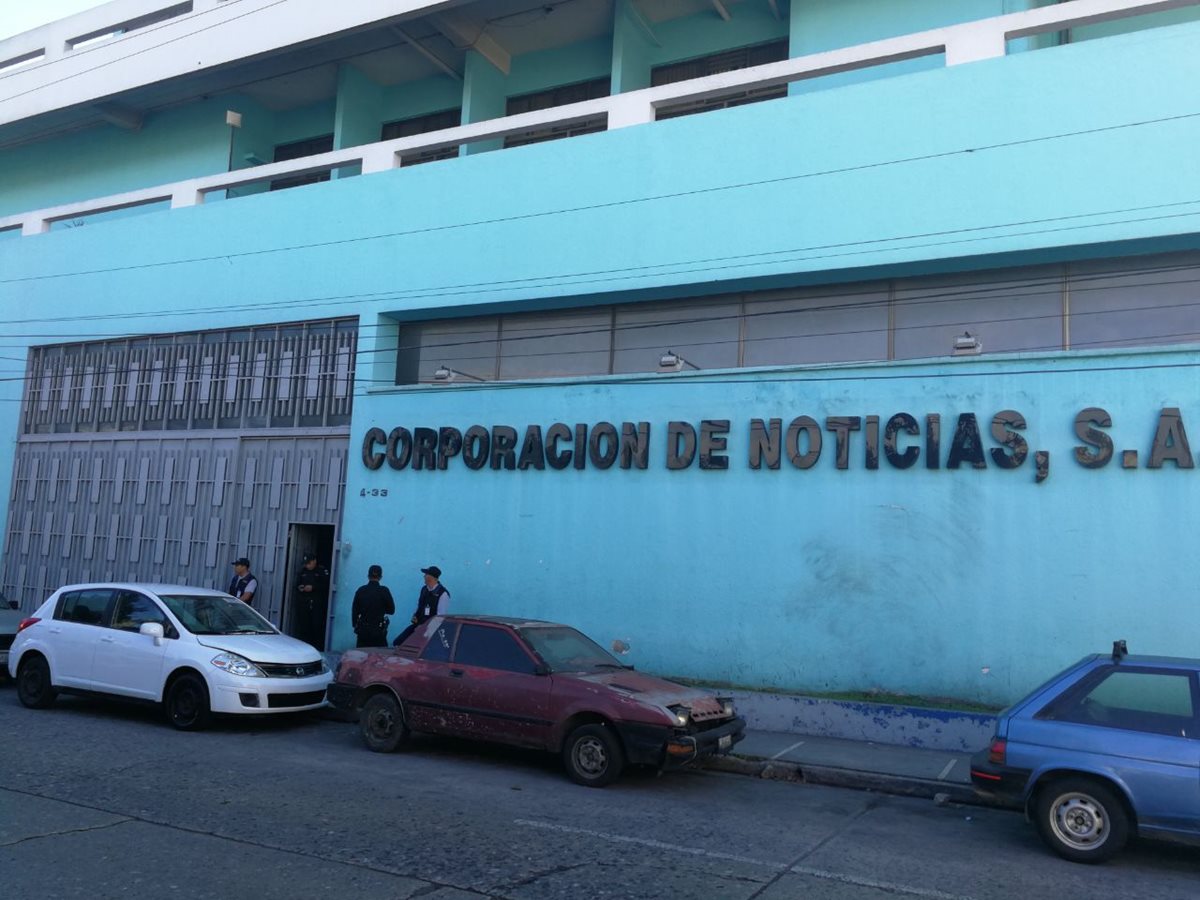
[107, 639]
[56, 631]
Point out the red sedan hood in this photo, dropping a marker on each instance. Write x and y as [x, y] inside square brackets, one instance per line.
[648, 689]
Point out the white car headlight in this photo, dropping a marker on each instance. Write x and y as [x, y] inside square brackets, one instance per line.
[727, 709]
[237, 665]
[682, 715]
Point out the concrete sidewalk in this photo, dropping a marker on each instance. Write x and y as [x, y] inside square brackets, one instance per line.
[857, 764]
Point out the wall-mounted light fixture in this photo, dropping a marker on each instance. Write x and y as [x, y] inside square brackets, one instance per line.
[967, 345]
[233, 118]
[673, 362]
[443, 374]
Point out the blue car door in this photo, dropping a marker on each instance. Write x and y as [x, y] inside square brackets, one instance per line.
[1141, 724]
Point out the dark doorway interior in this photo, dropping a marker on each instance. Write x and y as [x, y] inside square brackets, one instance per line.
[294, 617]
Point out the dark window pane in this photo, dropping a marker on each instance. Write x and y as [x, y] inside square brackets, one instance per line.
[86, 607]
[549, 345]
[134, 610]
[491, 648]
[557, 96]
[1136, 302]
[466, 347]
[1154, 702]
[713, 64]
[297, 150]
[447, 118]
[704, 334]
[817, 325]
[1006, 311]
[438, 648]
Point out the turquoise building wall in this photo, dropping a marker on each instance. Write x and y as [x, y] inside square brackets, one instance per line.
[915, 580]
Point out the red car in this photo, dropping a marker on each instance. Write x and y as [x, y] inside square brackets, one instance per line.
[530, 684]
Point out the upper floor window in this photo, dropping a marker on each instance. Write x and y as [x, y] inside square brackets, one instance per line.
[446, 118]
[557, 96]
[1137, 301]
[297, 150]
[714, 64]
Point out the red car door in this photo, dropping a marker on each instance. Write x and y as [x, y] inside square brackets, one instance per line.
[502, 694]
[434, 698]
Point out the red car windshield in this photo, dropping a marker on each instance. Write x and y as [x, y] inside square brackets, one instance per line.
[566, 650]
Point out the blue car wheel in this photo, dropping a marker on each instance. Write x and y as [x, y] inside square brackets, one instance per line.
[1082, 819]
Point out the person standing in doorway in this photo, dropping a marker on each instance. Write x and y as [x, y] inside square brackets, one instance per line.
[373, 604]
[243, 585]
[434, 600]
[312, 602]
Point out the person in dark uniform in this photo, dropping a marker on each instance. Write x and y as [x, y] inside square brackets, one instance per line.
[434, 600]
[373, 604]
[243, 585]
[312, 602]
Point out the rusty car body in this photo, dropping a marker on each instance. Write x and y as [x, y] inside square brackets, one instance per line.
[530, 684]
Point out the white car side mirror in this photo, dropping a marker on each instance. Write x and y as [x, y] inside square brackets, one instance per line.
[154, 630]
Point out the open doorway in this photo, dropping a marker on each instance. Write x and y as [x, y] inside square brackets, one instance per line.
[307, 625]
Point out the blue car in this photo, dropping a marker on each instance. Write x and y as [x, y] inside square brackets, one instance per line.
[1106, 750]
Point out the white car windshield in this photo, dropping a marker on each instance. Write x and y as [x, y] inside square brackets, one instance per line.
[207, 614]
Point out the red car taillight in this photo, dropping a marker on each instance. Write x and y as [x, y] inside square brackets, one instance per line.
[25, 623]
[996, 752]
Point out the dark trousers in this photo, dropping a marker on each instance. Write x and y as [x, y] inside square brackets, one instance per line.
[372, 639]
[308, 620]
[403, 636]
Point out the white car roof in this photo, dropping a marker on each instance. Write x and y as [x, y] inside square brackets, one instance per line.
[153, 588]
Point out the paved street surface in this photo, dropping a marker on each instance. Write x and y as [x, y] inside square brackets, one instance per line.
[99, 800]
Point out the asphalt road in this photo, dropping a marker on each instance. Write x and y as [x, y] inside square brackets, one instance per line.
[99, 800]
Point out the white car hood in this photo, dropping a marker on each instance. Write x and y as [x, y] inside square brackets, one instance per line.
[264, 648]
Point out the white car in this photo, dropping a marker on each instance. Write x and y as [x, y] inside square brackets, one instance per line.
[10, 618]
[194, 650]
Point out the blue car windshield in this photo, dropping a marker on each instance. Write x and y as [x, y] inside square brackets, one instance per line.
[208, 614]
[567, 650]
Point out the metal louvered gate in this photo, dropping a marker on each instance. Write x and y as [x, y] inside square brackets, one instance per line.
[164, 458]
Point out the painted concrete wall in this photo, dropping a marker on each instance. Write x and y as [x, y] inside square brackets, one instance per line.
[914, 581]
[705, 32]
[172, 145]
[817, 26]
[418, 98]
[631, 47]
[563, 65]
[954, 582]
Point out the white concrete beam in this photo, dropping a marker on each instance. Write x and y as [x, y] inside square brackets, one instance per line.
[212, 35]
[120, 115]
[639, 19]
[465, 34]
[975, 44]
[424, 51]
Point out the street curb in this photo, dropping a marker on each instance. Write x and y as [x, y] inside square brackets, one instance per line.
[829, 776]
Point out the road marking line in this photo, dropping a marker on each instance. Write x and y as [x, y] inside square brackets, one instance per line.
[749, 860]
[946, 771]
[787, 749]
[880, 885]
[646, 842]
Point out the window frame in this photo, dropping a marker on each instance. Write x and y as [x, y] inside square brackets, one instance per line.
[1057, 709]
[105, 616]
[457, 626]
[169, 630]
